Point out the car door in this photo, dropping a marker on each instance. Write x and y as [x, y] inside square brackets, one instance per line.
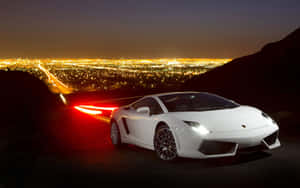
[130, 118]
[142, 124]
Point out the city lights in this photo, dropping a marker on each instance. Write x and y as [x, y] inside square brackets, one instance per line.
[71, 75]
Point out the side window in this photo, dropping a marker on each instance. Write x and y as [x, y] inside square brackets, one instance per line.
[151, 103]
[140, 103]
[154, 107]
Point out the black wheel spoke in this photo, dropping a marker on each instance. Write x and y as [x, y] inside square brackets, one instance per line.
[165, 144]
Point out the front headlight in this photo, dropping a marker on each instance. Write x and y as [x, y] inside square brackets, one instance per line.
[200, 129]
[265, 115]
[192, 123]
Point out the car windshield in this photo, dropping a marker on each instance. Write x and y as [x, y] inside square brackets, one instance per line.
[195, 102]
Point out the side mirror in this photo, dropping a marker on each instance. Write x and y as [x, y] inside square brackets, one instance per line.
[143, 110]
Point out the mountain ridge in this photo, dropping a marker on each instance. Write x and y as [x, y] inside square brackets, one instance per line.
[260, 78]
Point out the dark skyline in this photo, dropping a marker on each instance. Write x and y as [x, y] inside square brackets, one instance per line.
[143, 29]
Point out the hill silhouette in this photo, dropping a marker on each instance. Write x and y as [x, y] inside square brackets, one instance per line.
[25, 104]
[267, 79]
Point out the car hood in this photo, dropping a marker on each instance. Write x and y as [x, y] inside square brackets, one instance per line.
[229, 119]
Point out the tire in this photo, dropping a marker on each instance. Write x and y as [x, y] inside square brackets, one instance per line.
[115, 135]
[164, 143]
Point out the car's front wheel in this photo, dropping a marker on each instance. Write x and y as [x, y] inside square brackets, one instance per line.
[164, 143]
[115, 134]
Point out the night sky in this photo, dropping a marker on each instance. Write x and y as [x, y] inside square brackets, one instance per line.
[143, 28]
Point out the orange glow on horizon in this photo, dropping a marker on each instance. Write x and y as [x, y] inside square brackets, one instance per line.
[68, 76]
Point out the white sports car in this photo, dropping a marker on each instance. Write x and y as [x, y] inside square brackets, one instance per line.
[193, 125]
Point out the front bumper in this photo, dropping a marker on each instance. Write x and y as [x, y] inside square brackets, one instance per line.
[224, 144]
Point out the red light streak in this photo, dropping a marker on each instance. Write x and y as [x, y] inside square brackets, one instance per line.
[98, 108]
[94, 110]
[88, 111]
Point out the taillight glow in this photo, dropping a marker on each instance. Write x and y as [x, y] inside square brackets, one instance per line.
[98, 107]
[94, 110]
[88, 111]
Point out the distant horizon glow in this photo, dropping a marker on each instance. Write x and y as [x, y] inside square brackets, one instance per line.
[71, 75]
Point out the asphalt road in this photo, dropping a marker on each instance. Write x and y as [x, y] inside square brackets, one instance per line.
[134, 166]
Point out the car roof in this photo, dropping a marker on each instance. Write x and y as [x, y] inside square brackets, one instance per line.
[169, 93]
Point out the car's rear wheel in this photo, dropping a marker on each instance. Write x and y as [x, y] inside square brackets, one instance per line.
[115, 134]
[164, 143]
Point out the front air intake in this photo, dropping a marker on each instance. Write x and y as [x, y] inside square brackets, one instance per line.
[271, 139]
[215, 147]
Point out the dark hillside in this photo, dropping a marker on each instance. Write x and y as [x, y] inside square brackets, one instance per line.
[268, 79]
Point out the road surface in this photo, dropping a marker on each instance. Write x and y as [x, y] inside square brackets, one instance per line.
[108, 167]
